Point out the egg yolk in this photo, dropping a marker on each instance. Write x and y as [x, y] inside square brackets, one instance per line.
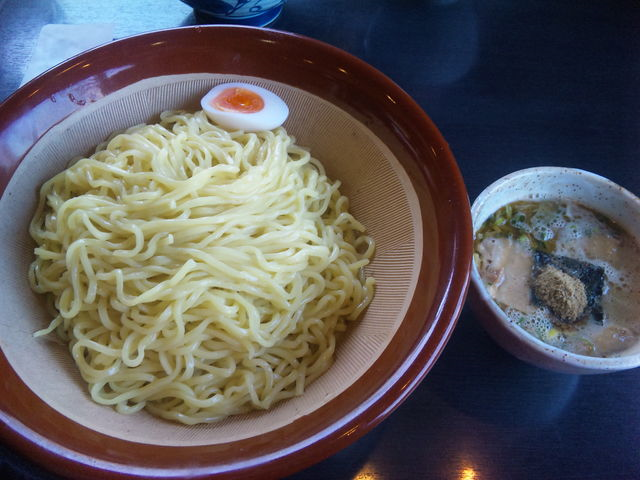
[238, 99]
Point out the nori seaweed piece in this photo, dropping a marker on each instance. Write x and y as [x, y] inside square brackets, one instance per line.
[590, 275]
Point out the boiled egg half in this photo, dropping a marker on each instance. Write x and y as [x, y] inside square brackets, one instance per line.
[240, 106]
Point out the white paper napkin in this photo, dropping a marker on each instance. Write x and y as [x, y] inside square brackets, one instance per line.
[58, 42]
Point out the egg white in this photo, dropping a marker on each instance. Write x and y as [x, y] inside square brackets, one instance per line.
[272, 115]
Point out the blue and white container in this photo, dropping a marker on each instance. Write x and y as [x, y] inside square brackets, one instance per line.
[257, 13]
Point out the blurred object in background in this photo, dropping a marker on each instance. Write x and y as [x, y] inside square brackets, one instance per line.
[439, 41]
[257, 13]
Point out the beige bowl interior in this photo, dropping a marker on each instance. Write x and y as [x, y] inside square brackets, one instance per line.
[381, 195]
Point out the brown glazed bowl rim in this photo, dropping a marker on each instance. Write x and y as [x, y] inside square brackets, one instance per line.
[36, 430]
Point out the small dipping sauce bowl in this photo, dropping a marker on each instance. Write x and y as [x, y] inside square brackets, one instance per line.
[561, 184]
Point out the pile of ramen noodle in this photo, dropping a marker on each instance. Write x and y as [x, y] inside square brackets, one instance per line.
[196, 271]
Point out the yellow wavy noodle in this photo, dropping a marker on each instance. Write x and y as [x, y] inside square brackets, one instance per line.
[198, 273]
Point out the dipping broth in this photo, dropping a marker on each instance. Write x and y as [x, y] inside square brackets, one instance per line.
[588, 301]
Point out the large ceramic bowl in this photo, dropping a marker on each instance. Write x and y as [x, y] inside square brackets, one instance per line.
[560, 184]
[403, 183]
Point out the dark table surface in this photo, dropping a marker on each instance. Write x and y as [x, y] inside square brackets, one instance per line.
[511, 84]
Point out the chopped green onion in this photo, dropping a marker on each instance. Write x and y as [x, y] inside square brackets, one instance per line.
[508, 210]
[524, 240]
[542, 233]
[588, 343]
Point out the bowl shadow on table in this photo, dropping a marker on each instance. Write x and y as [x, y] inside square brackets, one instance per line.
[348, 462]
[476, 376]
[15, 467]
